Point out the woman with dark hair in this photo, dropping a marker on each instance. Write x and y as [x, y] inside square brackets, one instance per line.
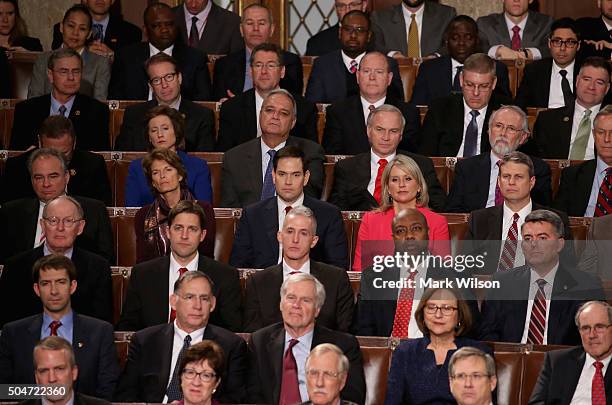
[200, 370]
[166, 176]
[95, 75]
[13, 31]
[165, 129]
[419, 368]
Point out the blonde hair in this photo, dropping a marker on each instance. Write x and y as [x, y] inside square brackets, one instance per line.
[411, 168]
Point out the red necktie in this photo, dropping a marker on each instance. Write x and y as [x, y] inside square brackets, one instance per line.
[290, 389]
[382, 163]
[499, 198]
[404, 309]
[287, 209]
[516, 38]
[537, 321]
[182, 271]
[506, 261]
[353, 68]
[54, 326]
[604, 197]
[598, 389]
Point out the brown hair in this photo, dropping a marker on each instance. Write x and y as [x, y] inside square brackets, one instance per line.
[205, 350]
[188, 207]
[464, 315]
[168, 156]
[176, 118]
[20, 29]
[55, 262]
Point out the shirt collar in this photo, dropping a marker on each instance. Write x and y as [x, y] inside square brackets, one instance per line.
[366, 104]
[608, 26]
[55, 105]
[549, 278]
[511, 23]
[580, 110]
[47, 251]
[66, 320]
[154, 51]
[297, 203]
[306, 338]
[569, 69]
[374, 158]
[287, 270]
[202, 15]
[408, 13]
[494, 159]
[191, 266]
[196, 335]
[347, 60]
[454, 64]
[590, 360]
[103, 22]
[265, 148]
[601, 166]
[467, 109]
[523, 212]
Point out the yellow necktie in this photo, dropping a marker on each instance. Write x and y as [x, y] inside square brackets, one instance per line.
[413, 38]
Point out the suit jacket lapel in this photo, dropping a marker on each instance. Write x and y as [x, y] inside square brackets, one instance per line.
[455, 119]
[483, 176]
[399, 25]
[558, 307]
[79, 337]
[340, 69]
[252, 166]
[210, 29]
[166, 344]
[531, 29]
[180, 22]
[275, 354]
[31, 208]
[76, 110]
[565, 130]
[501, 27]
[427, 29]
[584, 183]
[357, 110]
[545, 82]
[271, 225]
[250, 110]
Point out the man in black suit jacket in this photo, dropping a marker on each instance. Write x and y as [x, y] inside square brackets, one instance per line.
[94, 295]
[563, 369]
[439, 77]
[345, 123]
[58, 133]
[199, 131]
[509, 313]
[258, 247]
[596, 29]
[129, 78]
[240, 115]
[89, 116]
[218, 30]
[151, 281]
[355, 177]
[233, 73]
[243, 174]
[50, 176]
[458, 120]
[333, 76]
[5, 74]
[302, 297]
[475, 180]
[55, 280]
[262, 307]
[152, 356]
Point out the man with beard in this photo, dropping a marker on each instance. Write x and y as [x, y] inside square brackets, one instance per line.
[475, 182]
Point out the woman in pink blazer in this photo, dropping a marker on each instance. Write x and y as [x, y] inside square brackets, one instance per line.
[403, 186]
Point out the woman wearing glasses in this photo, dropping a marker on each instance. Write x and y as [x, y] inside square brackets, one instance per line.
[200, 371]
[419, 368]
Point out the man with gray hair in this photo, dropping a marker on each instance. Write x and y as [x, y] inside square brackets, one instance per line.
[536, 302]
[278, 352]
[297, 236]
[472, 378]
[475, 181]
[580, 374]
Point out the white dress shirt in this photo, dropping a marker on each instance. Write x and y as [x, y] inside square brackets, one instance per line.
[600, 175]
[454, 65]
[287, 270]
[582, 394]
[365, 106]
[374, 158]
[467, 117]
[202, 18]
[347, 60]
[300, 351]
[578, 115]
[509, 25]
[519, 258]
[555, 92]
[174, 274]
[494, 172]
[533, 289]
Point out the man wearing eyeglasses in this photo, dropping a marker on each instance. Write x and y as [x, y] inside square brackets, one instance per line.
[327, 40]
[64, 302]
[580, 375]
[550, 82]
[61, 223]
[471, 374]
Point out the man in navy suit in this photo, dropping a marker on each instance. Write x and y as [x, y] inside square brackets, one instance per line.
[258, 247]
[55, 281]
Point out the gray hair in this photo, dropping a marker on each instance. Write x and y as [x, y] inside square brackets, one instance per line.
[479, 63]
[323, 348]
[390, 109]
[44, 153]
[286, 94]
[62, 53]
[546, 216]
[77, 205]
[604, 112]
[376, 53]
[299, 277]
[55, 343]
[588, 304]
[516, 110]
[518, 158]
[304, 212]
[193, 275]
[468, 351]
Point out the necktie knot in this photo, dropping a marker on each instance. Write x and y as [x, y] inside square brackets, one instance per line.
[412, 17]
[541, 283]
[193, 33]
[54, 326]
[515, 217]
[287, 209]
[598, 365]
[353, 68]
[382, 162]
[563, 73]
[609, 171]
[62, 110]
[516, 29]
[271, 153]
[371, 108]
[587, 113]
[187, 341]
[182, 271]
[474, 114]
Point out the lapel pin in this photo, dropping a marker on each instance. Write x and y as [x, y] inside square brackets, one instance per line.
[80, 345]
[72, 172]
[566, 119]
[77, 113]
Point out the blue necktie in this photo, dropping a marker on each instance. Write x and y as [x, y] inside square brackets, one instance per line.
[268, 189]
[471, 136]
[98, 32]
[174, 390]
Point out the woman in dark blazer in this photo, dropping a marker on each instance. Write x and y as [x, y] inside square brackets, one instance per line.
[419, 369]
[13, 31]
[166, 176]
[165, 128]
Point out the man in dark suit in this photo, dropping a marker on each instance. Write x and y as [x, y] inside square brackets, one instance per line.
[233, 73]
[55, 281]
[239, 119]
[345, 131]
[517, 311]
[328, 40]
[247, 169]
[270, 378]
[151, 281]
[216, 31]
[456, 125]
[584, 188]
[113, 31]
[62, 222]
[565, 132]
[89, 116]
[549, 83]
[297, 237]
[392, 29]
[475, 180]
[49, 175]
[595, 29]
[576, 374]
[129, 79]
[357, 178]
[333, 75]
[515, 33]
[258, 247]
[58, 133]
[439, 77]
[151, 371]
[199, 131]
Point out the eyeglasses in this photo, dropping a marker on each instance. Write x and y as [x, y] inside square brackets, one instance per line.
[473, 86]
[354, 30]
[569, 43]
[327, 375]
[475, 377]
[446, 310]
[350, 6]
[67, 222]
[68, 72]
[510, 130]
[205, 376]
[156, 81]
[269, 65]
[599, 328]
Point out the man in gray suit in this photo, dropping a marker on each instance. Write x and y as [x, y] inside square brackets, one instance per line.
[394, 26]
[516, 33]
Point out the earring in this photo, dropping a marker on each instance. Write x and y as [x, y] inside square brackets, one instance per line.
[418, 195]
